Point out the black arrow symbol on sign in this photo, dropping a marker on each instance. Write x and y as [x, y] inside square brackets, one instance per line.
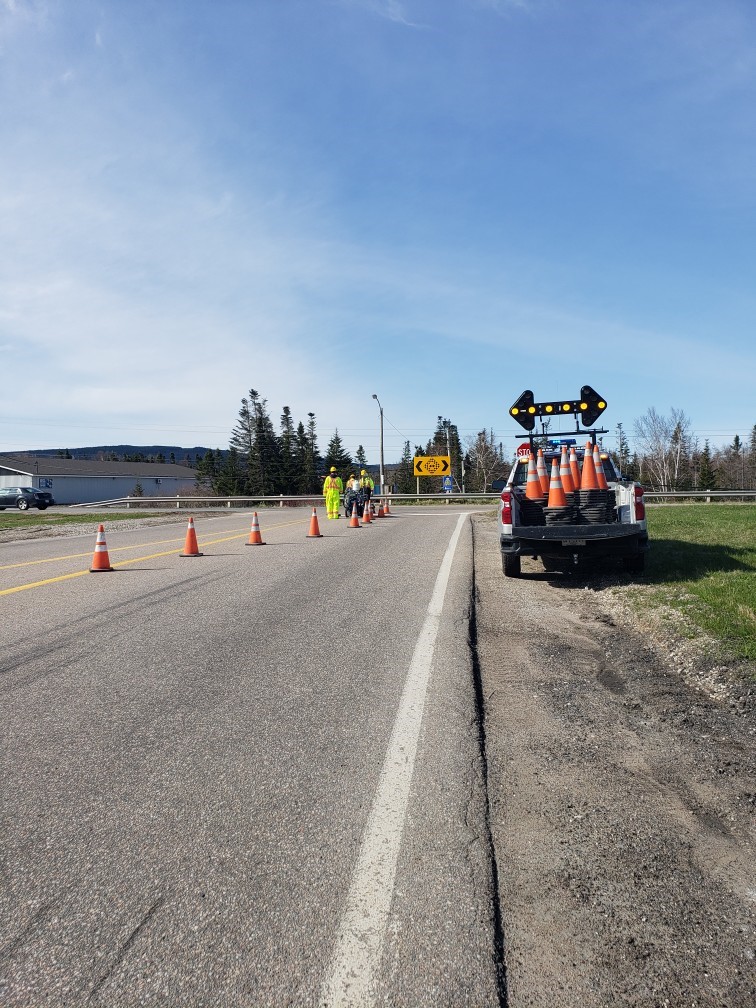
[444, 465]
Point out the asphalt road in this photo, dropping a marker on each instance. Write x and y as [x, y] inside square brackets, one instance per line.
[248, 778]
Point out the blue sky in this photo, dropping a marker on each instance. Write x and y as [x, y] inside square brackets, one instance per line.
[441, 201]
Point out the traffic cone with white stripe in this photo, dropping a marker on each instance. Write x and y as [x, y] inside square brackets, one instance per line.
[557, 498]
[366, 516]
[533, 488]
[314, 532]
[565, 473]
[191, 549]
[598, 465]
[255, 538]
[588, 479]
[543, 475]
[101, 559]
[574, 468]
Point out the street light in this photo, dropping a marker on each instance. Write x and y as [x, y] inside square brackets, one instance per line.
[381, 411]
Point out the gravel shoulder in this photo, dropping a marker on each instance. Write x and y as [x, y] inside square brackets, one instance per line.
[622, 789]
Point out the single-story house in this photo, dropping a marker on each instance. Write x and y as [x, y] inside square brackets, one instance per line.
[81, 481]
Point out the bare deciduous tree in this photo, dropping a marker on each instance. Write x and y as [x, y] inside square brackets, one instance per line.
[486, 460]
[664, 445]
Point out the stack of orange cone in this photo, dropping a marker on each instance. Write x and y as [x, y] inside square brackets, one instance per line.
[191, 549]
[386, 511]
[314, 532]
[354, 520]
[381, 512]
[531, 508]
[366, 517]
[255, 537]
[101, 558]
[558, 511]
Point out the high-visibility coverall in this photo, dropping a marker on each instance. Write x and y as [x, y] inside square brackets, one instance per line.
[332, 490]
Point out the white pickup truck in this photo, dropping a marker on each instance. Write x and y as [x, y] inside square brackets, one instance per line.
[617, 529]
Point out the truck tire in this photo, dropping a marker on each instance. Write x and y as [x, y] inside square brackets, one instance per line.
[635, 564]
[511, 565]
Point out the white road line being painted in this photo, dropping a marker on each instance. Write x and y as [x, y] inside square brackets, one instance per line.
[353, 970]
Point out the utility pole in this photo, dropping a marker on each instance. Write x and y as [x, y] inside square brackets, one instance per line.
[381, 412]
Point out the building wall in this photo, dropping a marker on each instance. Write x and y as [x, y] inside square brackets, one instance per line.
[88, 489]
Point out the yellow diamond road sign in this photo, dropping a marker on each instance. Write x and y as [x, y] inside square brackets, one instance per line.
[432, 465]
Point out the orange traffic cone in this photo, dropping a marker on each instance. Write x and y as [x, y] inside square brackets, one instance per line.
[543, 476]
[588, 479]
[557, 498]
[354, 520]
[366, 517]
[255, 538]
[533, 489]
[381, 512]
[599, 467]
[574, 468]
[314, 532]
[386, 510]
[101, 560]
[191, 549]
[565, 474]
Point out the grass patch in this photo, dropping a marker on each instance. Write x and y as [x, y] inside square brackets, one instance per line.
[36, 519]
[702, 563]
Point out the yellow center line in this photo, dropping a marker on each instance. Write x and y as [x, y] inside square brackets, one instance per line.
[124, 563]
[121, 549]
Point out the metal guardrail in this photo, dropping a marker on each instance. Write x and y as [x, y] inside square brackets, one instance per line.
[708, 495]
[316, 500]
[280, 500]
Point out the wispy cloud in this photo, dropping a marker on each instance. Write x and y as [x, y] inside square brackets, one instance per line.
[391, 10]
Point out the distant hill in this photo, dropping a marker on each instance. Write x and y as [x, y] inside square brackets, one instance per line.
[124, 452]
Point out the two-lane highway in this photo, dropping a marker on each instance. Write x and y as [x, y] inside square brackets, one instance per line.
[247, 778]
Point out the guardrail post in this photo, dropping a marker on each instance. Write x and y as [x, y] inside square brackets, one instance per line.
[281, 504]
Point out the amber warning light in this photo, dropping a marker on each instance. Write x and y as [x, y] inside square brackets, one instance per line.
[588, 407]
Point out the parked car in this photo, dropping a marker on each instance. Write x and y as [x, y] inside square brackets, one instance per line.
[25, 497]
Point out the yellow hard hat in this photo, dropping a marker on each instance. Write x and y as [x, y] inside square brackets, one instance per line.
[362, 472]
[333, 468]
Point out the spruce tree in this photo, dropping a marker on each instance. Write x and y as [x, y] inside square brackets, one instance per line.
[707, 477]
[310, 477]
[360, 457]
[336, 456]
[231, 477]
[287, 450]
[255, 441]
[405, 479]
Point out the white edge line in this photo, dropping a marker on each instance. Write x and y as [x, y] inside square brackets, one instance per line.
[351, 975]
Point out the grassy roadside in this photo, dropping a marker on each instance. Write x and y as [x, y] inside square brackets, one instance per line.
[702, 566]
[41, 519]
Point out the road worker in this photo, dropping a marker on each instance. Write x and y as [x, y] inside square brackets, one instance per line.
[333, 487]
[367, 484]
[353, 496]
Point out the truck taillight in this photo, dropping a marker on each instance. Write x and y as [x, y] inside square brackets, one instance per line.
[640, 507]
[506, 507]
